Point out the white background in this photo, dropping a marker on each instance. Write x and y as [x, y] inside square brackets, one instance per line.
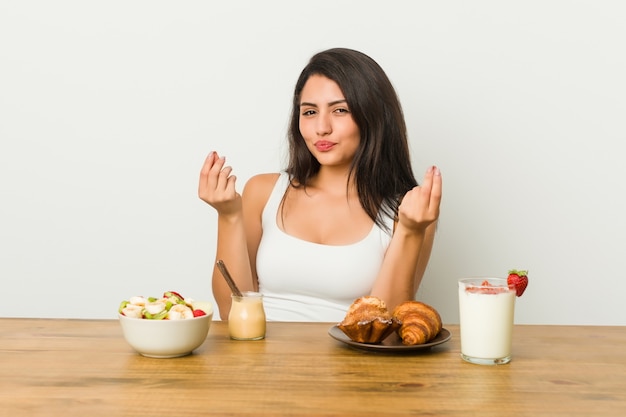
[107, 110]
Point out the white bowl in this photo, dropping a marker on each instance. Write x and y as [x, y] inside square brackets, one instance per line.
[165, 338]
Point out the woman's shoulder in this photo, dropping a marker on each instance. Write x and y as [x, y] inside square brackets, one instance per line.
[260, 186]
[262, 181]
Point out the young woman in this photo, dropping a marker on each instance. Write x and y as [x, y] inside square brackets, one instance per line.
[345, 219]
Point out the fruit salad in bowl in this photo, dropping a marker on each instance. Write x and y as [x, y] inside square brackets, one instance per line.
[165, 327]
[171, 306]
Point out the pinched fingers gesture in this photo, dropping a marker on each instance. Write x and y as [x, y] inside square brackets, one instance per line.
[420, 205]
[217, 185]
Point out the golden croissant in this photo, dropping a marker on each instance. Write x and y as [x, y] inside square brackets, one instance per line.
[420, 322]
[368, 321]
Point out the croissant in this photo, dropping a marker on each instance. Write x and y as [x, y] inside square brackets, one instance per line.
[420, 322]
[368, 321]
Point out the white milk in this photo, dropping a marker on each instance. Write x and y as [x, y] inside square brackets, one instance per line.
[486, 322]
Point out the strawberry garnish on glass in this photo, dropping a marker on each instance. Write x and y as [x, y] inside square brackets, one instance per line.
[518, 280]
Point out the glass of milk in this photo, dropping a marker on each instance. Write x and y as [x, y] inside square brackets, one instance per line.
[486, 310]
[246, 319]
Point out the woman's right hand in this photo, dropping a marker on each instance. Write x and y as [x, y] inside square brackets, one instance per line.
[217, 186]
[420, 206]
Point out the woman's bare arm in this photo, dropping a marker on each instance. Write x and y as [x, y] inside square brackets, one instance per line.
[410, 247]
[217, 188]
[238, 225]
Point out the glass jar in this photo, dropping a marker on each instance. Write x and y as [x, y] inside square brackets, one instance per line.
[246, 319]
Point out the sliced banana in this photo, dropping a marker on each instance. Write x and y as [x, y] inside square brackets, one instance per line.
[138, 301]
[155, 307]
[180, 311]
[133, 311]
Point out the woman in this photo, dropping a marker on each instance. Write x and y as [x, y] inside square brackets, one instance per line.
[346, 218]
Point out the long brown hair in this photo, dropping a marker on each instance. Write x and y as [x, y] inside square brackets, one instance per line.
[381, 168]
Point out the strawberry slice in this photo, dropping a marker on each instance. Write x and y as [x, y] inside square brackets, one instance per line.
[197, 313]
[518, 280]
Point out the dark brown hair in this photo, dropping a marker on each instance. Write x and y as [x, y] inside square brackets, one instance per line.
[381, 167]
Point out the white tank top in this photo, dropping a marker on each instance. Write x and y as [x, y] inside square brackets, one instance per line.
[306, 281]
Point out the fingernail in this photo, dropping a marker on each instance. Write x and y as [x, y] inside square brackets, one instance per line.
[437, 171]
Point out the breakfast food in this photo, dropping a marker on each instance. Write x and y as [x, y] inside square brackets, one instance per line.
[246, 318]
[420, 322]
[171, 306]
[486, 312]
[518, 280]
[368, 321]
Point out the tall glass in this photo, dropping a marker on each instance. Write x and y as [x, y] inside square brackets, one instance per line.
[246, 319]
[486, 313]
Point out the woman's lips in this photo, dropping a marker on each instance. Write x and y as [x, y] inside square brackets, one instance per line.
[323, 145]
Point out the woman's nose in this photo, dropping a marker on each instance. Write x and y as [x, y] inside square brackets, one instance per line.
[323, 126]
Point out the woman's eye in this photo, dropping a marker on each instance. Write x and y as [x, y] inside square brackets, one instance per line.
[342, 110]
[308, 112]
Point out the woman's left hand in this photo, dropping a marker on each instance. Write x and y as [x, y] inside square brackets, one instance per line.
[420, 205]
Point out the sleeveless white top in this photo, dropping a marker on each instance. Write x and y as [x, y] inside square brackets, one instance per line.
[306, 281]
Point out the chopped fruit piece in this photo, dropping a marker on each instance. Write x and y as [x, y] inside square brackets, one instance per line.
[155, 307]
[179, 311]
[518, 280]
[158, 316]
[138, 301]
[132, 310]
[176, 296]
[123, 305]
[172, 306]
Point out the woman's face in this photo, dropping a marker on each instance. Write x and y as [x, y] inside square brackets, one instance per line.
[326, 123]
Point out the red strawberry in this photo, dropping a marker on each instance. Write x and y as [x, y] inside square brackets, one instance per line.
[198, 313]
[518, 280]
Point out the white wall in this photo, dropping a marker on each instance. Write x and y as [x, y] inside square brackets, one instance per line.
[107, 110]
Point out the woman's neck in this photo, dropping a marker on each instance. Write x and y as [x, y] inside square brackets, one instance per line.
[333, 181]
